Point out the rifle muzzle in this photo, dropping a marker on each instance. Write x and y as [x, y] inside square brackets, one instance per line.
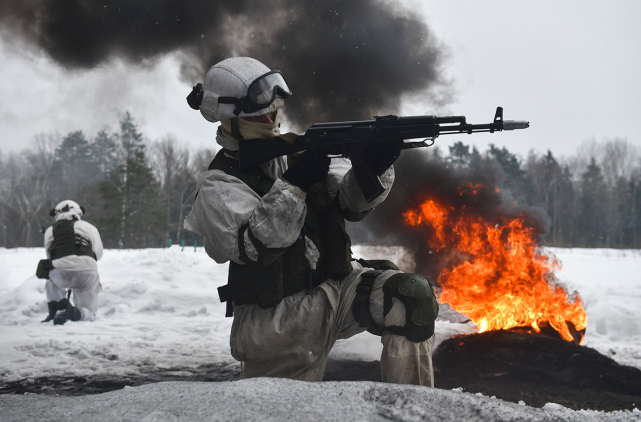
[515, 124]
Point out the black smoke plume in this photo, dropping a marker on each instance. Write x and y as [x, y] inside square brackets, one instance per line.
[420, 176]
[344, 60]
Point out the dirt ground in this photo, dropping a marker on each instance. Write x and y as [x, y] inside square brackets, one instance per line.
[536, 369]
[510, 366]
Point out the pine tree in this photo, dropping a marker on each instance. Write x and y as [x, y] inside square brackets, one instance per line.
[565, 228]
[515, 179]
[459, 154]
[591, 228]
[73, 149]
[131, 194]
[72, 167]
[104, 153]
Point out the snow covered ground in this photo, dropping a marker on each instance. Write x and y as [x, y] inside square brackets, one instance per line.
[159, 309]
[271, 399]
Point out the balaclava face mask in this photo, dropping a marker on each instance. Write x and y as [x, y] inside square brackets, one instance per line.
[252, 130]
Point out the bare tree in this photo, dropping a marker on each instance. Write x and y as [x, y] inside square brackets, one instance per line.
[177, 168]
[617, 160]
[551, 189]
[30, 184]
[578, 163]
[5, 195]
[202, 158]
[635, 180]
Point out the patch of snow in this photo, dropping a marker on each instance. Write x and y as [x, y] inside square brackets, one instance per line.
[272, 399]
[609, 283]
[159, 309]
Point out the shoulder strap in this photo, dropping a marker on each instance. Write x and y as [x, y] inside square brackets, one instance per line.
[255, 178]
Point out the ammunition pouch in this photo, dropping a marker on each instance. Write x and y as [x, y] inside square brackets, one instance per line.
[44, 267]
[265, 286]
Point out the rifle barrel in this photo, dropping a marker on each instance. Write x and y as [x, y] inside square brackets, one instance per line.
[484, 127]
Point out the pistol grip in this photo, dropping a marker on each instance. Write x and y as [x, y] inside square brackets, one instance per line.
[366, 178]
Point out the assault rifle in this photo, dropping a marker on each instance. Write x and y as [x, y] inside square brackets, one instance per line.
[350, 139]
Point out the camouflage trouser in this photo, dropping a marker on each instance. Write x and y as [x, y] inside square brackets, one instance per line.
[85, 286]
[293, 338]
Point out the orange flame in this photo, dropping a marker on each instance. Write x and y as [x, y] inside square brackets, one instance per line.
[506, 282]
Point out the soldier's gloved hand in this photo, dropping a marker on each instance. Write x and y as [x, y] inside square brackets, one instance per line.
[311, 167]
[383, 154]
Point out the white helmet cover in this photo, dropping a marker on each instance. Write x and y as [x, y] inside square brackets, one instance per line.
[66, 206]
[231, 78]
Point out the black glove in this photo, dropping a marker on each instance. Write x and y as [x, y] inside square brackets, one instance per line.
[311, 167]
[383, 154]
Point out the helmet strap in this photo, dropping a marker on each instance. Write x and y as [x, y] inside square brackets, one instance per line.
[238, 102]
[235, 129]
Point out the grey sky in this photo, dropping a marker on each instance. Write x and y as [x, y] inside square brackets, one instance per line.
[572, 68]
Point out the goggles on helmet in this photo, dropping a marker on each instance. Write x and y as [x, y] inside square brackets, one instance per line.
[260, 93]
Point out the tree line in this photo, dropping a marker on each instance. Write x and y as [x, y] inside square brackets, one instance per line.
[591, 197]
[137, 192]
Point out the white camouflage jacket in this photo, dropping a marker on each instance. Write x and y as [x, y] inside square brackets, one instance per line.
[224, 204]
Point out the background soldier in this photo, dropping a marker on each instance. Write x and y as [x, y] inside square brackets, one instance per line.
[73, 246]
[293, 287]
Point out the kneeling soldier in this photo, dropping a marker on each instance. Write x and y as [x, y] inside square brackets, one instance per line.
[73, 246]
[293, 287]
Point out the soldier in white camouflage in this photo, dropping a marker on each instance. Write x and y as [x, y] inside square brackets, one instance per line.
[293, 286]
[73, 248]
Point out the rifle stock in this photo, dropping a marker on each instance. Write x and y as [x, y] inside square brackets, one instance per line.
[254, 152]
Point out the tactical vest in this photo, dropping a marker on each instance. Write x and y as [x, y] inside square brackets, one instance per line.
[290, 272]
[66, 242]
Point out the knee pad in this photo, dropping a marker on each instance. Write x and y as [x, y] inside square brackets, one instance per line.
[421, 307]
[413, 290]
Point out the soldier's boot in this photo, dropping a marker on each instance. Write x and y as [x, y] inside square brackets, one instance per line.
[66, 312]
[53, 308]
